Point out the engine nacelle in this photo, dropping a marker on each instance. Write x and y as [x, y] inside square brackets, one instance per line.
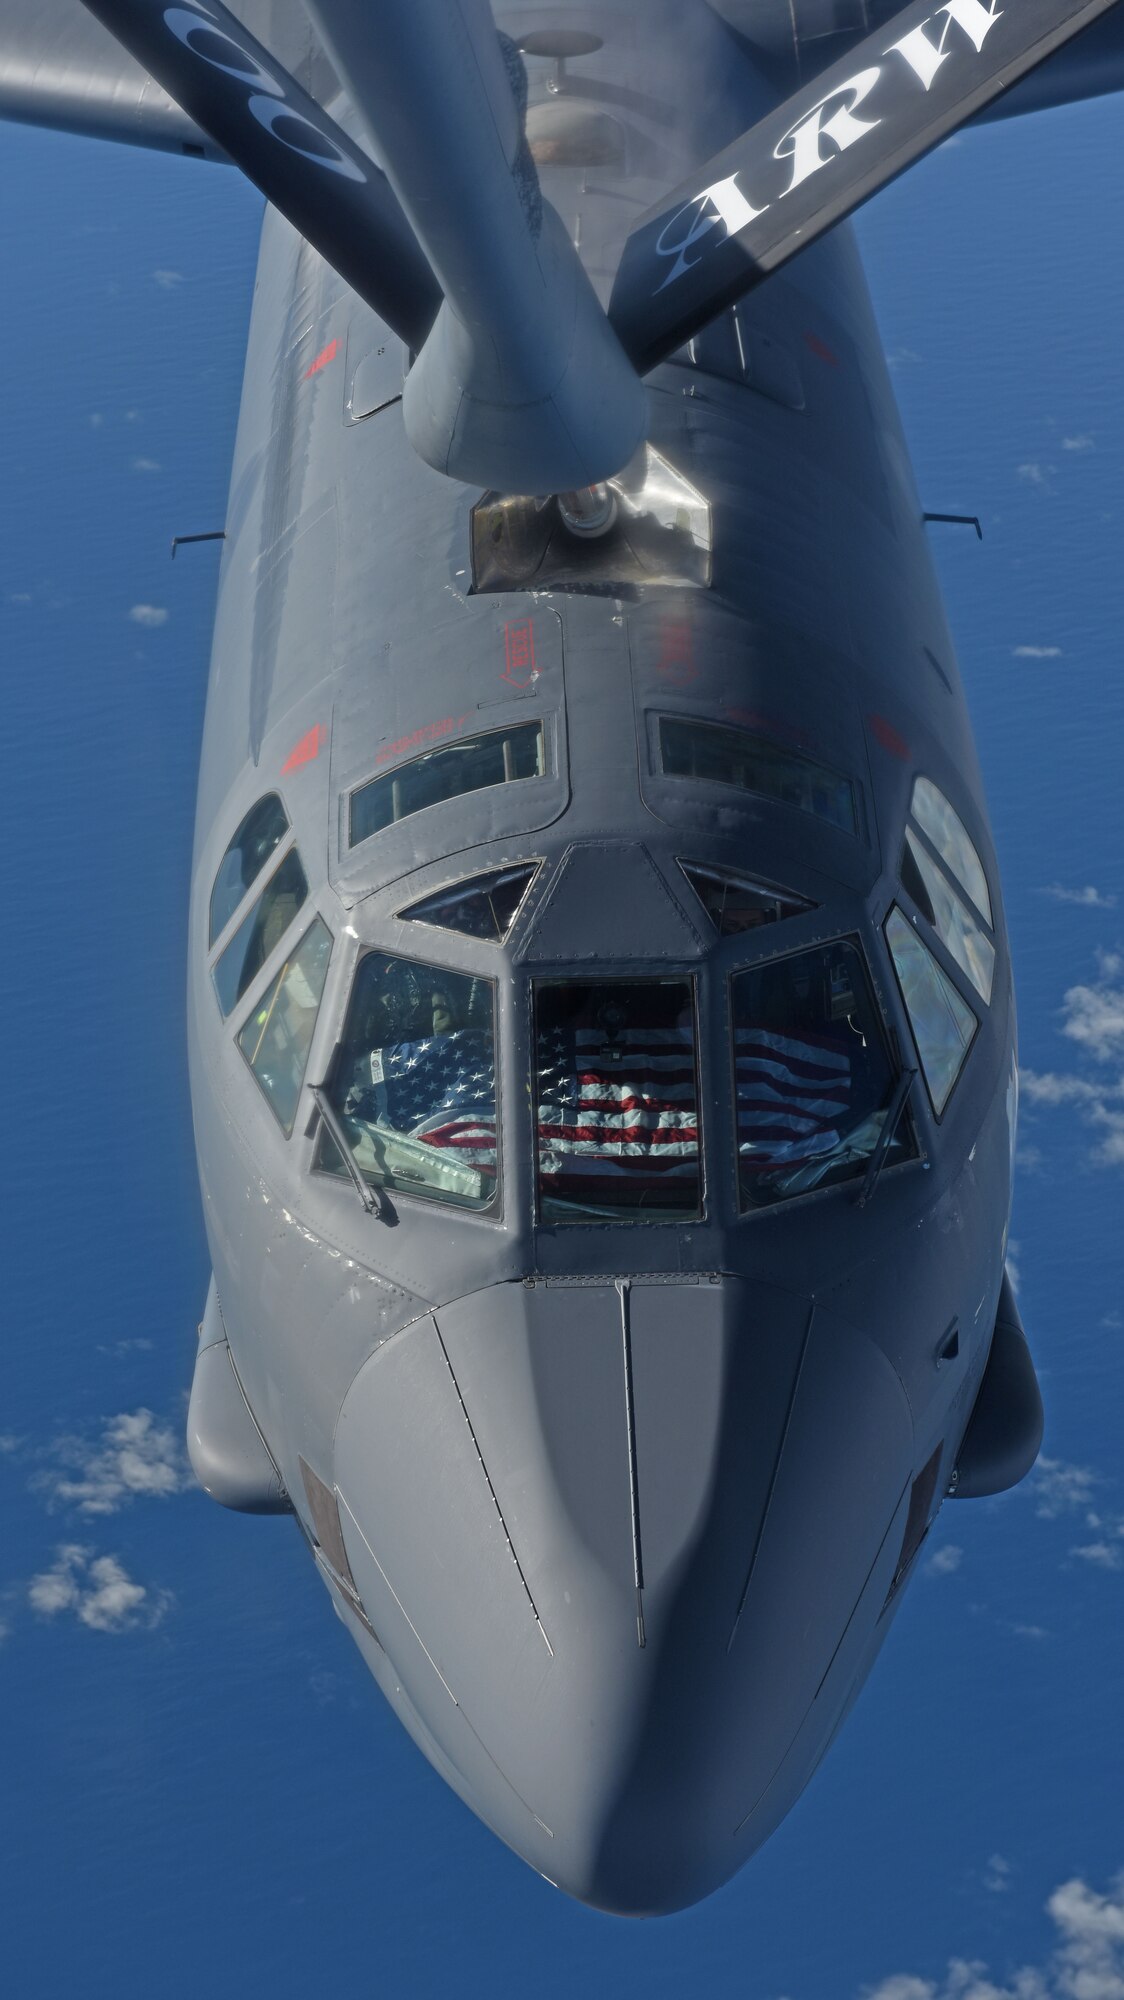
[1004, 1432]
[227, 1452]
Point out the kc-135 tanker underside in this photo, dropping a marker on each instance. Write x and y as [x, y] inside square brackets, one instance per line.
[601, 1025]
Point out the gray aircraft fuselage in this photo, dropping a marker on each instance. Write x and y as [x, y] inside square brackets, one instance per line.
[616, 1507]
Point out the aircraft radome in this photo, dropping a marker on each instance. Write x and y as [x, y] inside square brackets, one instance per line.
[601, 1028]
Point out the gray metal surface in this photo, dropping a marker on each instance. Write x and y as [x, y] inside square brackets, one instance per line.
[618, 1511]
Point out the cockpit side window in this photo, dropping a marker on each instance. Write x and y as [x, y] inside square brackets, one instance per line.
[261, 929]
[414, 1082]
[812, 1077]
[943, 1024]
[717, 754]
[484, 907]
[616, 1100]
[946, 830]
[735, 905]
[498, 757]
[959, 930]
[276, 1038]
[262, 830]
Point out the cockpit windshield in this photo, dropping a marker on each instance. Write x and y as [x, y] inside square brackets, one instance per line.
[813, 1081]
[616, 1100]
[414, 1083]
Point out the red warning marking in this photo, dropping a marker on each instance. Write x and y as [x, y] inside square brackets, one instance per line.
[821, 349]
[519, 654]
[429, 732]
[306, 751]
[325, 355]
[885, 733]
[676, 663]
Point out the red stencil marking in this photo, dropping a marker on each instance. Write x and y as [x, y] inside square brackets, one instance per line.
[519, 654]
[429, 732]
[884, 733]
[306, 751]
[821, 349]
[676, 662]
[325, 355]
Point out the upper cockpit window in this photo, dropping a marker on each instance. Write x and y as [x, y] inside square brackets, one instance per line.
[949, 836]
[720, 755]
[943, 1024]
[734, 904]
[278, 1034]
[485, 907]
[261, 929]
[959, 931]
[414, 1083]
[263, 828]
[616, 1100]
[498, 757]
[812, 1078]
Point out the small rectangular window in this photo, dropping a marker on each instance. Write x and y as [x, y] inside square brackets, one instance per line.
[278, 1035]
[747, 762]
[499, 757]
[616, 1097]
[260, 931]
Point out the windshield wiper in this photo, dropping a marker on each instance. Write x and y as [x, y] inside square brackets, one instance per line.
[885, 1140]
[373, 1199]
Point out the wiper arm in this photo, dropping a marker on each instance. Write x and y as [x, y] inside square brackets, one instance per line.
[885, 1139]
[373, 1199]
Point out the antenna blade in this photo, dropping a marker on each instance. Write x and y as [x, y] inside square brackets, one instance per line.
[301, 160]
[820, 154]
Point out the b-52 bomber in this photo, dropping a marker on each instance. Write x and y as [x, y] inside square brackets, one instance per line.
[601, 1030]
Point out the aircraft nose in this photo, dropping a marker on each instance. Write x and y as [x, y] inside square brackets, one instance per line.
[610, 1537]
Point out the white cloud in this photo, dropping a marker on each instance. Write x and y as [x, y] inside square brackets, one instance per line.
[1087, 1962]
[148, 614]
[134, 1457]
[946, 1561]
[96, 420]
[1059, 1488]
[1081, 443]
[1095, 1014]
[1087, 898]
[1047, 1087]
[1101, 1555]
[1037, 652]
[146, 465]
[1036, 475]
[97, 1589]
[167, 280]
[997, 1875]
[19, 597]
[1093, 1018]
